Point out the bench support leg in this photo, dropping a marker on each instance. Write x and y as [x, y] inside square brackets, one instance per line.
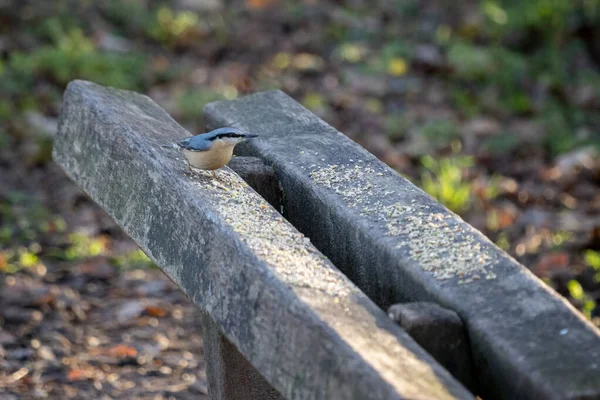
[230, 375]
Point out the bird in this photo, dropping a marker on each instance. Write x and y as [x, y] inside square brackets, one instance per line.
[212, 150]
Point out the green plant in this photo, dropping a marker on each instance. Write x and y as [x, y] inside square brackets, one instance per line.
[43, 19]
[587, 303]
[82, 246]
[391, 59]
[169, 27]
[443, 179]
[551, 19]
[24, 219]
[534, 39]
[559, 238]
[352, 52]
[490, 66]
[501, 144]
[465, 100]
[132, 260]
[130, 16]
[439, 132]
[192, 101]
[396, 126]
[13, 260]
[24, 223]
[559, 131]
[396, 49]
[6, 108]
[315, 102]
[72, 56]
[471, 62]
[592, 259]
[335, 32]
[5, 139]
[503, 242]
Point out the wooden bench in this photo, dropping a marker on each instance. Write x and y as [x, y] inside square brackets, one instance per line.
[293, 307]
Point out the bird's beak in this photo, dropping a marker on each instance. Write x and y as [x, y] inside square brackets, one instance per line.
[250, 136]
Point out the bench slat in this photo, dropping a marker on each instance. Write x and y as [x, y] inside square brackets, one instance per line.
[397, 244]
[300, 322]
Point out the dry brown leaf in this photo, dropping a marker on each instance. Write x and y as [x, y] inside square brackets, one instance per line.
[122, 351]
[258, 4]
[77, 375]
[155, 311]
[550, 263]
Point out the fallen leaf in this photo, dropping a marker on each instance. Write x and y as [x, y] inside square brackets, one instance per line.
[77, 375]
[500, 218]
[122, 351]
[306, 62]
[3, 261]
[45, 299]
[155, 311]
[397, 66]
[551, 263]
[96, 268]
[18, 375]
[258, 4]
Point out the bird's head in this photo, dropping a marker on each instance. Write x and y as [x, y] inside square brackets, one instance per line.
[231, 136]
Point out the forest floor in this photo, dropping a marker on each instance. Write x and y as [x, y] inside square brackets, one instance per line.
[492, 107]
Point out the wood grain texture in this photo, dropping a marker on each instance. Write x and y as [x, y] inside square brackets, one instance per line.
[398, 244]
[441, 332]
[299, 321]
[230, 375]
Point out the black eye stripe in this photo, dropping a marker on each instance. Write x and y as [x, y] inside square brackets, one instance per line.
[226, 135]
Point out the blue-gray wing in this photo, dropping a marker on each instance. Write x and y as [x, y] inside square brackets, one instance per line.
[195, 143]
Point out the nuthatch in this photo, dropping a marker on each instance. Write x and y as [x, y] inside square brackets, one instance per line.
[212, 150]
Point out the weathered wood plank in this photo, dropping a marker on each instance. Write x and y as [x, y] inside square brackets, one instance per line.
[230, 375]
[300, 322]
[398, 244]
[441, 332]
[260, 177]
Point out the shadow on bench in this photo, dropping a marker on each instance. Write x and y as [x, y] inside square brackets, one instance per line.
[280, 319]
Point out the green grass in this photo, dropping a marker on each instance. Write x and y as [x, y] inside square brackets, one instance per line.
[191, 102]
[396, 126]
[30, 233]
[314, 101]
[440, 132]
[24, 219]
[24, 224]
[70, 55]
[14, 260]
[169, 27]
[504, 143]
[136, 259]
[588, 305]
[522, 49]
[592, 259]
[443, 180]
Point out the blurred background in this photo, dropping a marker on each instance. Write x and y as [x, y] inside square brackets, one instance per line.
[491, 106]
